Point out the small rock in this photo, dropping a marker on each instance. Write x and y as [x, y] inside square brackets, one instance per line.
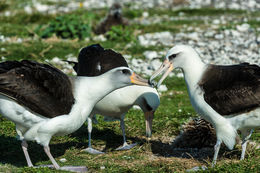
[190, 28]
[258, 39]
[100, 38]
[127, 56]
[63, 160]
[2, 38]
[152, 39]
[87, 39]
[28, 9]
[145, 14]
[165, 38]
[155, 64]
[193, 36]
[162, 88]
[197, 168]
[19, 40]
[181, 14]
[171, 74]
[216, 22]
[71, 57]
[7, 13]
[219, 36]
[243, 28]
[235, 33]
[234, 5]
[150, 55]
[56, 60]
[136, 62]
[41, 7]
[209, 34]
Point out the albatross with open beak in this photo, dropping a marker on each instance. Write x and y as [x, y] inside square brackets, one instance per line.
[42, 101]
[226, 96]
[95, 60]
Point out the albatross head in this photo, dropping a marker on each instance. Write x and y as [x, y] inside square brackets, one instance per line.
[177, 57]
[124, 76]
[115, 11]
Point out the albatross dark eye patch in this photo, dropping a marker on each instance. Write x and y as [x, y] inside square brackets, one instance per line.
[173, 56]
[126, 71]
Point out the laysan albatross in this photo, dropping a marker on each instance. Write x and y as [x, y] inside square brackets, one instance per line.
[42, 101]
[226, 96]
[113, 18]
[94, 60]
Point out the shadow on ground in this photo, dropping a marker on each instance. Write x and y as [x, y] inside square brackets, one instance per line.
[168, 150]
[11, 150]
[109, 138]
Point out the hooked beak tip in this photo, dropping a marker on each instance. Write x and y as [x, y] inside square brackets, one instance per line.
[152, 83]
[136, 79]
[148, 122]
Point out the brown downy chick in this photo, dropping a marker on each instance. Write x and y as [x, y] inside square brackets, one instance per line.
[114, 17]
[196, 133]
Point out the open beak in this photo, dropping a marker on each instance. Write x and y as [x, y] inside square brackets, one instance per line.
[166, 66]
[138, 80]
[148, 122]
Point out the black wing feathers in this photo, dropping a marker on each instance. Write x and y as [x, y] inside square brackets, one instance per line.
[232, 89]
[40, 87]
[94, 60]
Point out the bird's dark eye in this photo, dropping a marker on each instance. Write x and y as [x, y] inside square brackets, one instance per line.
[173, 56]
[125, 71]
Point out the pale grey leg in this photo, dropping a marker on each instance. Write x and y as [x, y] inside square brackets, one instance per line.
[125, 146]
[89, 131]
[47, 151]
[67, 168]
[90, 149]
[216, 150]
[24, 144]
[122, 125]
[26, 154]
[20, 131]
[245, 137]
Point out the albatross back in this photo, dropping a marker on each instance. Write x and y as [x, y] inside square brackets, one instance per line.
[232, 89]
[39, 87]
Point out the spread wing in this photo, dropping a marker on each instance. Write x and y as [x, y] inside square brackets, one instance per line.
[232, 89]
[40, 87]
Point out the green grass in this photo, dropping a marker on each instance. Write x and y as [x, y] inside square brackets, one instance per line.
[150, 155]
[189, 12]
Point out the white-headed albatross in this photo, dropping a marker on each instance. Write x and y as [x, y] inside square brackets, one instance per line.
[42, 101]
[226, 96]
[95, 60]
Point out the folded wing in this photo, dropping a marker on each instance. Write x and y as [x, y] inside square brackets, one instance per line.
[232, 89]
[39, 87]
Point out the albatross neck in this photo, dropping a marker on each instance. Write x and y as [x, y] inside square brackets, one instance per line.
[87, 92]
[193, 70]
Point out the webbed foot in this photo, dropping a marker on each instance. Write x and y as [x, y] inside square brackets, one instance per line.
[81, 169]
[93, 151]
[126, 146]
